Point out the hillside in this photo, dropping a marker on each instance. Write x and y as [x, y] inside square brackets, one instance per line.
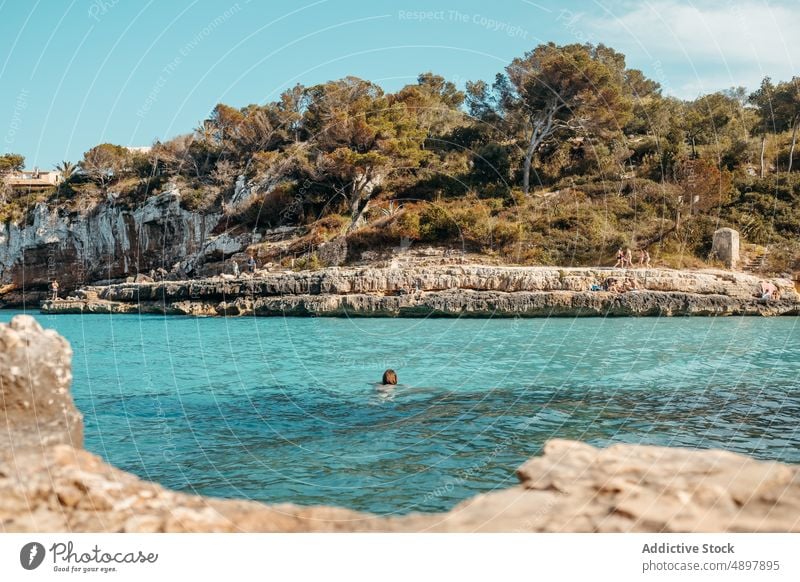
[566, 157]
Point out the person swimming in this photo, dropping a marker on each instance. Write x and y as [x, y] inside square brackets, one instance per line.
[389, 378]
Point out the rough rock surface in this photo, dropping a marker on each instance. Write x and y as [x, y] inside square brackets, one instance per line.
[470, 290]
[35, 377]
[109, 241]
[46, 485]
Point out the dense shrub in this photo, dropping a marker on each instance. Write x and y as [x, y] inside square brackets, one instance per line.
[437, 224]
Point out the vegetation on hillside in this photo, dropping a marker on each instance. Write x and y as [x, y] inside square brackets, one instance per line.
[565, 156]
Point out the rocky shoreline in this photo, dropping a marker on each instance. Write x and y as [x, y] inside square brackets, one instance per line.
[446, 291]
[48, 483]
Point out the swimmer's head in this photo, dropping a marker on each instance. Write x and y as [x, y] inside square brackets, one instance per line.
[389, 377]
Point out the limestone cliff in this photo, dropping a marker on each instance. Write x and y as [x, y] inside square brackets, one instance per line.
[49, 484]
[109, 241]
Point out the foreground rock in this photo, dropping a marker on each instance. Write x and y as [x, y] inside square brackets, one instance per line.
[571, 487]
[35, 377]
[471, 290]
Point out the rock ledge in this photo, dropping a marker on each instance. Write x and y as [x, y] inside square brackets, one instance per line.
[450, 291]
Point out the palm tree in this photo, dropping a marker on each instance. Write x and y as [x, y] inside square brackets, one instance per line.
[66, 169]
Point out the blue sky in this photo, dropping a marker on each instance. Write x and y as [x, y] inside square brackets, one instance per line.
[75, 73]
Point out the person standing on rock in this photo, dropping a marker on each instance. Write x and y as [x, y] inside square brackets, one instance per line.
[620, 258]
[644, 258]
[251, 264]
[628, 262]
[54, 290]
[235, 267]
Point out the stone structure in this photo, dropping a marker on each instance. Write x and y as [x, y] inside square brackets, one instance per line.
[32, 180]
[49, 484]
[725, 247]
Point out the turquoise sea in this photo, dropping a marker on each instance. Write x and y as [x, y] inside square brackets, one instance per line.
[284, 409]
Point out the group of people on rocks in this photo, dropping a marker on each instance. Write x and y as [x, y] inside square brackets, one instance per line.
[617, 285]
[251, 265]
[767, 290]
[625, 258]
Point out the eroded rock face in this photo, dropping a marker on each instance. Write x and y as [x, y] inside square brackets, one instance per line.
[106, 242]
[49, 484]
[35, 376]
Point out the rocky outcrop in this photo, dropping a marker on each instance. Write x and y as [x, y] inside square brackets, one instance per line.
[109, 241]
[35, 377]
[48, 483]
[572, 487]
[470, 290]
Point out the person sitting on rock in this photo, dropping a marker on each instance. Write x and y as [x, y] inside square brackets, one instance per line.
[768, 291]
[611, 285]
[631, 284]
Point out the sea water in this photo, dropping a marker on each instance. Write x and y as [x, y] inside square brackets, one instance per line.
[286, 410]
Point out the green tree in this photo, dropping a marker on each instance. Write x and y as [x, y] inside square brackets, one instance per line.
[105, 163]
[358, 136]
[11, 163]
[436, 103]
[763, 99]
[647, 99]
[242, 133]
[484, 102]
[491, 165]
[706, 120]
[786, 111]
[67, 169]
[192, 155]
[574, 87]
